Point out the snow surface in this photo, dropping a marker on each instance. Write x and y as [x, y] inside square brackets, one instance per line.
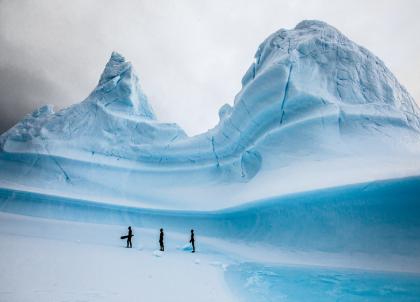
[355, 243]
[48, 260]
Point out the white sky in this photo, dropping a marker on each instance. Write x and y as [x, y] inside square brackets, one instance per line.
[190, 55]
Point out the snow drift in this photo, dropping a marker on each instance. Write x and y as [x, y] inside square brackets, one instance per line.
[312, 101]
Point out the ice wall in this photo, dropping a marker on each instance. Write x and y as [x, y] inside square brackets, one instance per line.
[382, 218]
[311, 96]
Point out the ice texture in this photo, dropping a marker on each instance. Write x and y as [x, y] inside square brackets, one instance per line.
[380, 218]
[254, 282]
[311, 101]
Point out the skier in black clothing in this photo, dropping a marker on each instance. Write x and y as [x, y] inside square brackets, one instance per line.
[162, 248]
[192, 241]
[130, 234]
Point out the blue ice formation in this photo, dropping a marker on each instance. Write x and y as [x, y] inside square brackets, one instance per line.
[256, 282]
[381, 218]
[311, 95]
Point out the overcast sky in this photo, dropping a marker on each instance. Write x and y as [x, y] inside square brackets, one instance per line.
[190, 55]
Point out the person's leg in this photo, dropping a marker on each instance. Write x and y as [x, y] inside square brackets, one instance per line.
[128, 241]
[131, 245]
[193, 246]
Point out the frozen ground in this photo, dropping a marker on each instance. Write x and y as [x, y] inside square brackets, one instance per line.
[53, 260]
[49, 260]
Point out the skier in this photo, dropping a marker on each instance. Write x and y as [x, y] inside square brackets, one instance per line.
[192, 241]
[162, 248]
[130, 234]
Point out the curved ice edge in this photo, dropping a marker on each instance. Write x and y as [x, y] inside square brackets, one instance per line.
[381, 217]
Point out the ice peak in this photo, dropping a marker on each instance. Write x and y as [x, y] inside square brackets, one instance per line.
[116, 56]
[119, 89]
[321, 30]
[313, 24]
[116, 66]
[317, 60]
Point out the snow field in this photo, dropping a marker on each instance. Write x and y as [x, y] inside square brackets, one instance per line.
[49, 260]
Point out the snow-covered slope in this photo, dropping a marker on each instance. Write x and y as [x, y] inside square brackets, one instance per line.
[312, 103]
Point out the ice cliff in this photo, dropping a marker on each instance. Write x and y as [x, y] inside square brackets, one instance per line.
[310, 96]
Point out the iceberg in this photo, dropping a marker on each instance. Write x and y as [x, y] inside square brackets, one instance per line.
[312, 103]
[307, 187]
